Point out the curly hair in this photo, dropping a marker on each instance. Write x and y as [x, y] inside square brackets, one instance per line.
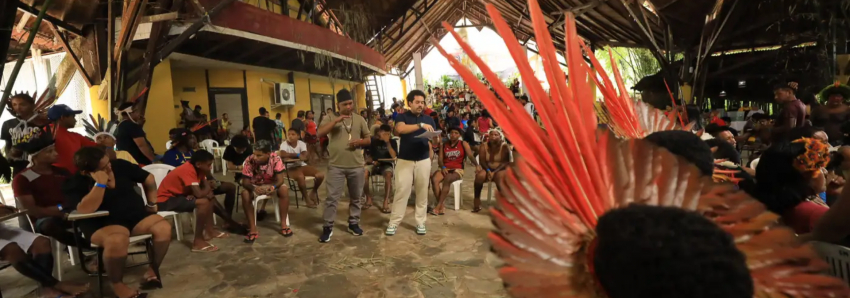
[667, 252]
[781, 186]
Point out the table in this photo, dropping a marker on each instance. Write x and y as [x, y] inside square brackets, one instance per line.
[387, 159]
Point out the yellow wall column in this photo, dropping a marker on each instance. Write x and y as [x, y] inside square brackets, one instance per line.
[98, 107]
[160, 113]
[360, 95]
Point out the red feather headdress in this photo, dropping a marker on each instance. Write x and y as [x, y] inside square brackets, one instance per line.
[569, 175]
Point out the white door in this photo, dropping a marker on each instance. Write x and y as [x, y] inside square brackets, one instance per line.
[232, 105]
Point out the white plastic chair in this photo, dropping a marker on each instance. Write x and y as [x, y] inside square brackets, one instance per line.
[159, 171]
[456, 189]
[838, 258]
[209, 144]
[55, 247]
[167, 145]
[276, 203]
[754, 163]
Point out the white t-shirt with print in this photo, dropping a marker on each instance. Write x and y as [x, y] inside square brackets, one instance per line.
[300, 148]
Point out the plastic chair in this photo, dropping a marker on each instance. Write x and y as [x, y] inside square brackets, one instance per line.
[838, 258]
[754, 163]
[159, 171]
[55, 247]
[167, 145]
[293, 186]
[209, 144]
[276, 203]
[456, 189]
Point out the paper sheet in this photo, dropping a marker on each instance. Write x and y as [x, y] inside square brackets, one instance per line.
[430, 134]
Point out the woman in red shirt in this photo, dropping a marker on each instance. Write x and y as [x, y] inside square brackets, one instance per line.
[789, 176]
[311, 136]
[451, 158]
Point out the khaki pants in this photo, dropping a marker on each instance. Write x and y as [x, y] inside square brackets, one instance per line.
[410, 174]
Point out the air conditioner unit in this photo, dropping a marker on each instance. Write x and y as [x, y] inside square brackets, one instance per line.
[284, 95]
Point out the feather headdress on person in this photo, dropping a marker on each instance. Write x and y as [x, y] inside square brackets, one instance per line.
[569, 177]
[95, 128]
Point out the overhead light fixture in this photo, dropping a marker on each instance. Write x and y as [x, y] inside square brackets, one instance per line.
[722, 93]
[742, 83]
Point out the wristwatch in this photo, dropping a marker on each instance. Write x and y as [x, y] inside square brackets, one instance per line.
[421, 125]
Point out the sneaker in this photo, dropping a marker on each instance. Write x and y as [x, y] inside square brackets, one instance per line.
[327, 232]
[391, 230]
[420, 229]
[355, 229]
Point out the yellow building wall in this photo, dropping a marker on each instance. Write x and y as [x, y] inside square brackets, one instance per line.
[98, 107]
[160, 106]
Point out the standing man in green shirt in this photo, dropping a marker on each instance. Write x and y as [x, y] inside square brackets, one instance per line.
[348, 133]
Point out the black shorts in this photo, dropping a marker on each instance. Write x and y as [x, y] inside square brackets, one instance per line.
[177, 204]
[89, 226]
[382, 168]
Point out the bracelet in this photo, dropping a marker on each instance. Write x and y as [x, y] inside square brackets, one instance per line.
[488, 170]
[99, 185]
[444, 167]
[151, 205]
[59, 206]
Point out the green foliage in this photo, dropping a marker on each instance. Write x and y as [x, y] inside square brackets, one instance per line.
[633, 63]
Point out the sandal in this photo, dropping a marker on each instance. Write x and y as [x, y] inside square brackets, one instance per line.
[151, 282]
[221, 235]
[386, 210]
[208, 248]
[286, 232]
[251, 237]
[476, 209]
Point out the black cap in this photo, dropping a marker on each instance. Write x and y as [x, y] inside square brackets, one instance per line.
[343, 95]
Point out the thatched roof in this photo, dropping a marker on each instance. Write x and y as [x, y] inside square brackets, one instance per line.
[602, 22]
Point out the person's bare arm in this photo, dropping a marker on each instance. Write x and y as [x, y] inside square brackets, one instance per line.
[232, 165]
[393, 154]
[327, 127]
[91, 202]
[469, 155]
[150, 191]
[28, 203]
[143, 146]
[482, 155]
[287, 155]
[440, 158]
[402, 128]
[279, 180]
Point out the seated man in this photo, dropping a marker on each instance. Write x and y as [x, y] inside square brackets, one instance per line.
[382, 150]
[35, 188]
[30, 255]
[495, 157]
[104, 185]
[107, 142]
[262, 174]
[293, 148]
[187, 189]
[235, 155]
[180, 153]
[450, 158]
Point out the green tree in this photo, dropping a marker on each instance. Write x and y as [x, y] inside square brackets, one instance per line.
[633, 63]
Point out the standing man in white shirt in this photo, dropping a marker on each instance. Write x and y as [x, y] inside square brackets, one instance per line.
[529, 107]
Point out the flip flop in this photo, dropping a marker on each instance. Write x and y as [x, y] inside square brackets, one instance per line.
[208, 248]
[251, 237]
[476, 209]
[221, 235]
[386, 210]
[151, 282]
[286, 232]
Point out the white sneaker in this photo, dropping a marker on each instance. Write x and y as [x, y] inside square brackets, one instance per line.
[420, 230]
[391, 230]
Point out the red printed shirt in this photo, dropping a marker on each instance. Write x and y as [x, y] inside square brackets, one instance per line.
[261, 174]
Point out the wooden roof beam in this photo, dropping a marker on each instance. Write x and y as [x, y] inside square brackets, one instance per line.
[70, 52]
[194, 28]
[59, 23]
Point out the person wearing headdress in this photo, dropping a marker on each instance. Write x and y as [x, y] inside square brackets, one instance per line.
[131, 137]
[585, 213]
[834, 112]
[494, 155]
[36, 189]
[348, 134]
[29, 123]
[103, 133]
[67, 142]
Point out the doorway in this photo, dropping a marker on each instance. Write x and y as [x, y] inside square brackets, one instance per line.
[321, 102]
[234, 102]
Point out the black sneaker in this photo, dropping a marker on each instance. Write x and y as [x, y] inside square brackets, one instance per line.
[355, 230]
[327, 232]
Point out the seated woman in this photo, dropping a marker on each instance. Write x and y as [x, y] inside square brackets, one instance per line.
[294, 149]
[381, 151]
[31, 256]
[450, 158]
[182, 148]
[790, 175]
[262, 174]
[104, 185]
[494, 156]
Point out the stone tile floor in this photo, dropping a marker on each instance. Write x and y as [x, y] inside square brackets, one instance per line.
[452, 260]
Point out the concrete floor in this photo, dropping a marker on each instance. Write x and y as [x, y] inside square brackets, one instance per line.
[452, 260]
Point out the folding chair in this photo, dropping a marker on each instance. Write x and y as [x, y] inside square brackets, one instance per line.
[159, 171]
[293, 186]
[75, 217]
[55, 247]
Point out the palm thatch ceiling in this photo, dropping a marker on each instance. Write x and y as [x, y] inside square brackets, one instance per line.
[602, 22]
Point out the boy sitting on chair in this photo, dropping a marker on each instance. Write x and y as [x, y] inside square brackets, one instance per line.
[382, 150]
[293, 148]
[104, 185]
[262, 174]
